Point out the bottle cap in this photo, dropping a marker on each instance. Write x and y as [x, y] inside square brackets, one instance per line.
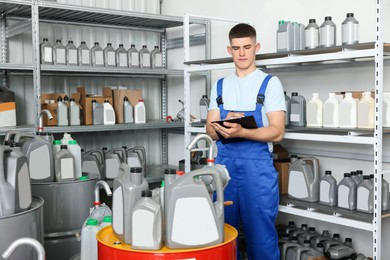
[58, 40]
[96, 43]
[162, 183]
[328, 18]
[180, 173]
[132, 45]
[146, 193]
[72, 142]
[59, 98]
[64, 146]
[312, 20]
[328, 172]
[84, 178]
[294, 94]
[121, 45]
[135, 169]
[140, 100]
[57, 142]
[125, 98]
[169, 171]
[92, 222]
[107, 219]
[347, 174]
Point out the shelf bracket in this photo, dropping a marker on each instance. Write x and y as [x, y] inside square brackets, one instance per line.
[18, 28]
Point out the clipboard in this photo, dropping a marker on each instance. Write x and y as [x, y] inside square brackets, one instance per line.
[248, 122]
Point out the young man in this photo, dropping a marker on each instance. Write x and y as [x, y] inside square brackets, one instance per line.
[247, 153]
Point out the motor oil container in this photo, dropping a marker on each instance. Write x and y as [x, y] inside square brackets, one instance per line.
[348, 112]
[71, 54]
[97, 59]
[283, 240]
[58, 53]
[312, 35]
[302, 40]
[365, 195]
[83, 55]
[62, 113]
[285, 36]
[107, 221]
[304, 179]
[359, 173]
[296, 38]
[295, 252]
[75, 149]
[144, 57]
[386, 109]
[108, 113]
[385, 194]
[93, 162]
[127, 191]
[287, 101]
[97, 113]
[291, 227]
[156, 58]
[64, 165]
[311, 253]
[347, 193]
[113, 159]
[355, 177]
[328, 33]
[7, 107]
[340, 252]
[366, 111]
[128, 116]
[295, 233]
[315, 240]
[292, 244]
[89, 244]
[133, 57]
[310, 234]
[146, 223]
[39, 157]
[140, 112]
[314, 111]
[7, 191]
[46, 52]
[350, 30]
[328, 189]
[187, 202]
[331, 111]
[74, 113]
[136, 157]
[109, 56]
[121, 56]
[17, 175]
[203, 108]
[298, 110]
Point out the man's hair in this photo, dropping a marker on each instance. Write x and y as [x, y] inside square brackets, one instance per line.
[242, 30]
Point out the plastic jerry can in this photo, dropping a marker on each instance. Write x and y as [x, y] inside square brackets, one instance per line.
[128, 116]
[74, 113]
[315, 240]
[17, 174]
[121, 56]
[355, 177]
[385, 194]
[133, 57]
[291, 227]
[75, 149]
[328, 33]
[136, 157]
[97, 113]
[287, 101]
[314, 111]
[127, 191]
[192, 219]
[71, 54]
[64, 165]
[295, 252]
[146, 227]
[97, 55]
[347, 193]
[140, 112]
[331, 111]
[83, 55]
[365, 195]
[144, 57]
[113, 159]
[89, 244]
[93, 162]
[328, 189]
[350, 30]
[39, 157]
[108, 113]
[283, 240]
[312, 35]
[304, 179]
[298, 110]
[295, 233]
[386, 109]
[46, 52]
[348, 112]
[310, 234]
[296, 38]
[109, 56]
[203, 107]
[340, 252]
[59, 53]
[7, 192]
[156, 58]
[62, 112]
[284, 247]
[366, 111]
[285, 36]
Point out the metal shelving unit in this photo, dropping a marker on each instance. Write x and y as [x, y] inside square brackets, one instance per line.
[341, 56]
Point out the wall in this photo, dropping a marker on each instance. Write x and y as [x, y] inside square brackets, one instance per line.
[265, 15]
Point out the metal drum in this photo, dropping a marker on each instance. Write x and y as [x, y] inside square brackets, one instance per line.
[66, 208]
[28, 223]
[109, 248]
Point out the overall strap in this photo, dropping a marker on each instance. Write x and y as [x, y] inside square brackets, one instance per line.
[219, 93]
[261, 94]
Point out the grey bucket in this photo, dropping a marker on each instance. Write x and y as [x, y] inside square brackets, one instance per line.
[28, 223]
[67, 206]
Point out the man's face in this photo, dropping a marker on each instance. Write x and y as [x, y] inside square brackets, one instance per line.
[243, 51]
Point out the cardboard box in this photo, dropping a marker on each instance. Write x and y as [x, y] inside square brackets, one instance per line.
[279, 152]
[47, 103]
[86, 102]
[118, 95]
[8, 114]
[282, 167]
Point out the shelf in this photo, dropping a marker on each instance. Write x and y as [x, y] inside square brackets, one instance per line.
[156, 124]
[16, 67]
[335, 215]
[332, 55]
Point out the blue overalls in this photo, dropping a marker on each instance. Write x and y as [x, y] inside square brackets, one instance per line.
[253, 187]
